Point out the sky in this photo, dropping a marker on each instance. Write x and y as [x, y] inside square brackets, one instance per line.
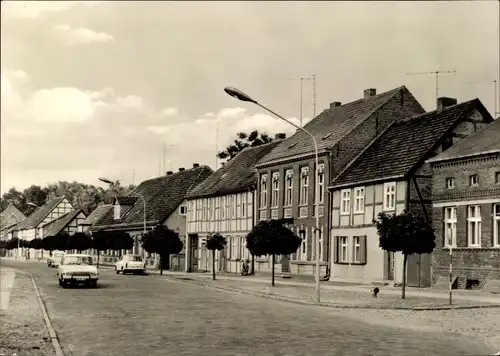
[95, 89]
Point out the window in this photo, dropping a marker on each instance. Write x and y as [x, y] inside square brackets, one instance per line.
[303, 248]
[204, 211]
[304, 185]
[346, 202]
[288, 187]
[234, 247]
[276, 190]
[228, 207]
[210, 208]
[356, 249]
[450, 183]
[496, 225]
[389, 196]
[359, 195]
[473, 180]
[243, 205]
[321, 182]
[450, 227]
[242, 247]
[223, 208]
[263, 191]
[320, 237]
[343, 257]
[217, 208]
[191, 210]
[497, 177]
[474, 225]
[233, 206]
[183, 210]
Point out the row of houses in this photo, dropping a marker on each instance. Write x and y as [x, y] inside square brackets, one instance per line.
[380, 153]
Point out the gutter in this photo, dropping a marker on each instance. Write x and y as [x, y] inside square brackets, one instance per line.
[376, 180]
[469, 155]
[127, 225]
[321, 152]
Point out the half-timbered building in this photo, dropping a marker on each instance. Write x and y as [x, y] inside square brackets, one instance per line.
[224, 203]
[390, 176]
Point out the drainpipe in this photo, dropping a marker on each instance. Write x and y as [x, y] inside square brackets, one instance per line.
[254, 213]
[328, 215]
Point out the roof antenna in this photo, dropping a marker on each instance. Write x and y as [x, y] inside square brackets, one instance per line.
[436, 73]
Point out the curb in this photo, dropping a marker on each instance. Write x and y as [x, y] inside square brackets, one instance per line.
[328, 305]
[52, 333]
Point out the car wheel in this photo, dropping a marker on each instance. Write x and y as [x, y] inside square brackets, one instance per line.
[124, 271]
[117, 271]
[93, 284]
[63, 284]
[60, 282]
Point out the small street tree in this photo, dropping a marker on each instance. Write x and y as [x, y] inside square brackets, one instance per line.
[36, 244]
[163, 241]
[119, 240]
[272, 238]
[100, 242]
[62, 241]
[406, 233]
[215, 242]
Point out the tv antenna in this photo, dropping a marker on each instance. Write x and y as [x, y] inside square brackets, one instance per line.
[163, 157]
[313, 78]
[437, 73]
[495, 95]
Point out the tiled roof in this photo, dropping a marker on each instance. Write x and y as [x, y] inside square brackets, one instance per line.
[402, 146]
[236, 175]
[128, 200]
[162, 195]
[39, 214]
[485, 140]
[10, 215]
[330, 126]
[97, 214]
[55, 226]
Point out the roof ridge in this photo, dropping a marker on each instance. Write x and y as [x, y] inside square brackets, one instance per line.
[198, 176]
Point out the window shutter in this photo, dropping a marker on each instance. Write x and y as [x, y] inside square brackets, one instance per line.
[336, 249]
[230, 245]
[363, 252]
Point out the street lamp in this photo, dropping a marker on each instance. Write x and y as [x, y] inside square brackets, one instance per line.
[105, 180]
[238, 94]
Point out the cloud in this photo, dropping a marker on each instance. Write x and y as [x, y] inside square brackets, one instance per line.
[82, 35]
[35, 9]
[170, 111]
[52, 131]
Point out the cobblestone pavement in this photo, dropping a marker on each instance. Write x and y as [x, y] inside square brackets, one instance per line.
[153, 315]
[22, 327]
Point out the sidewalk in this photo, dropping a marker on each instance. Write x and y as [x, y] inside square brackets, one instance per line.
[22, 325]
[330, 287]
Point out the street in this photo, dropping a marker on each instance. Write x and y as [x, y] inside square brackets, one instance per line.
[154, 315]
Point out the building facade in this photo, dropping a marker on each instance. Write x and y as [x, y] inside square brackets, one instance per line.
[225, 203]
[287, 176]
[466, 209]
[164, 203]
[391, 176]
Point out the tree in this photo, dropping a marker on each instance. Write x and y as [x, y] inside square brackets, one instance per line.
[119, 240]
[62, 241]
[80, 241]
[163, 241]
[13, 243]
[49, 243]
[100, 242]
[272, 238]
[215, 242]
[406, 233]
[244, 140]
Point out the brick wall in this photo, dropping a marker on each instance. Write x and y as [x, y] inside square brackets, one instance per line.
[468, 263]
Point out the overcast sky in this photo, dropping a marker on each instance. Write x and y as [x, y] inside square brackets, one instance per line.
[95, 88]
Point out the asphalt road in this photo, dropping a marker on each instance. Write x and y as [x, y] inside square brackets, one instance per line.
[154, 315]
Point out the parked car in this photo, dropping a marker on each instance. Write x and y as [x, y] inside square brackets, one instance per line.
[131, 264]
[55, 259]
[77, 269]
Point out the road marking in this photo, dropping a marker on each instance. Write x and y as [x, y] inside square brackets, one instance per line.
[7, 277]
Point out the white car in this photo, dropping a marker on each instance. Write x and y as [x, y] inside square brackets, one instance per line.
[55, 259]
[77, 269]
[131, 263]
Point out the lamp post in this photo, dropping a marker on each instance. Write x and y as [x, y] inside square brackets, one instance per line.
[238, 94]
[143, 202]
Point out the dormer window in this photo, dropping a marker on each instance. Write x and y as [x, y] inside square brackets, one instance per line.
[450, 183]
[116, 208]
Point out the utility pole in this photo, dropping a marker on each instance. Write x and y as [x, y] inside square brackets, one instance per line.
[436, 73]
[313, 78]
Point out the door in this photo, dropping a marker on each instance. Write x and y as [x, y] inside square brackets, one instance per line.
[389, 264]
[204, 257]
[193, 253]
[418, 271]
[222, 260]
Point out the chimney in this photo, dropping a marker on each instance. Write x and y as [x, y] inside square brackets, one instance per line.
[335, 104]
[169, 173]
[444, 102]
[280, 136]
[196, 165]
[369, 93]
[181, 169]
